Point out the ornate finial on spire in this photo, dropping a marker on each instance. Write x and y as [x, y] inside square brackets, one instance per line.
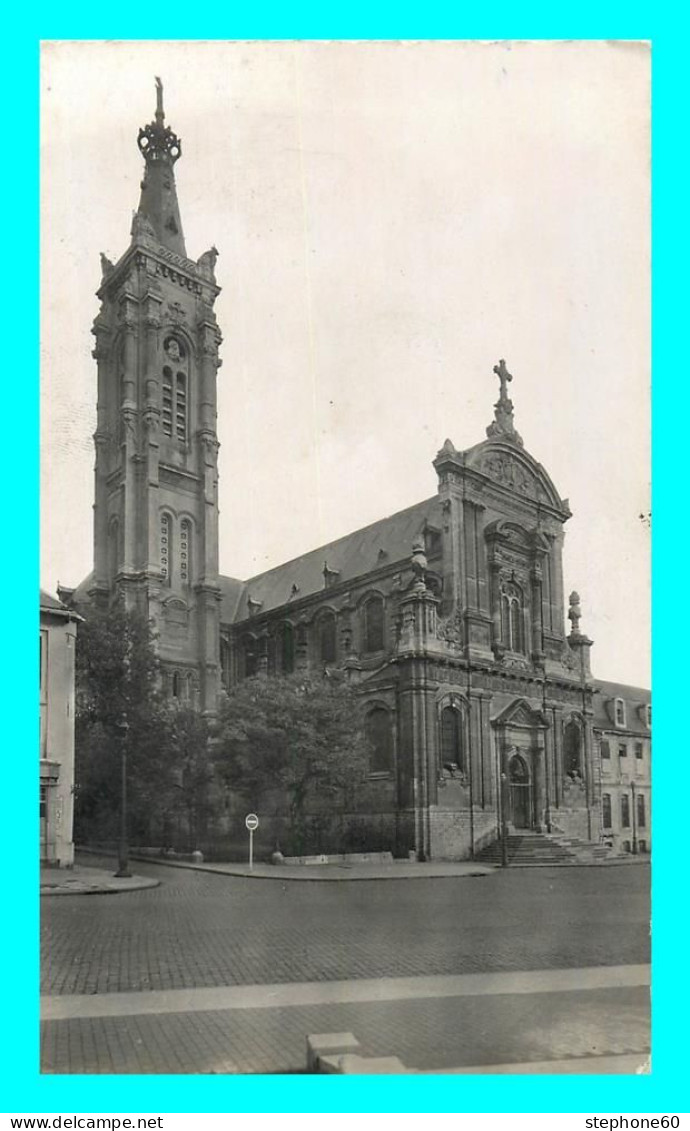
[502, 425]
[160, 114]
[156, 141]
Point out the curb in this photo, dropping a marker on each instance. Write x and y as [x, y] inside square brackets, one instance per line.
[278, 872]
[141, 884]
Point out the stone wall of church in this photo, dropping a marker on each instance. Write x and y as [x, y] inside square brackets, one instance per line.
[453, 832]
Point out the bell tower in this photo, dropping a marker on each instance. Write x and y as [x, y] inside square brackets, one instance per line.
[156, 471]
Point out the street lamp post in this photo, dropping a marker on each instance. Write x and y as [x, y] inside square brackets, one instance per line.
[504, 820]
[634, 819]
[123, 848]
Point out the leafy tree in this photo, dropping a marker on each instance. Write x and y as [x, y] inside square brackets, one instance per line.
[299, 734]
[188, 740]
[120, 705]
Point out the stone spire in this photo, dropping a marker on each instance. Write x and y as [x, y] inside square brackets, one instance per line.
[502, 425]
[157, 220]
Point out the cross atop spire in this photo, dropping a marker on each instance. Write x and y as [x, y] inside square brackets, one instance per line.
[502, 425]
[160, 115]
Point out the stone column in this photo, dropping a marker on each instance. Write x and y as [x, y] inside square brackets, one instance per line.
[537, 628]
[128, 415]
[152, 413]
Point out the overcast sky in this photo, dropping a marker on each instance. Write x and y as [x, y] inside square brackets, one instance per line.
[392, 218]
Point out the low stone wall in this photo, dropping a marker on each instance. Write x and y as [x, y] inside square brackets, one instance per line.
[451, 832]
[572, 822]
[342, 858]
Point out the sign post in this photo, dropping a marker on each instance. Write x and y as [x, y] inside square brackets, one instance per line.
[252, 823]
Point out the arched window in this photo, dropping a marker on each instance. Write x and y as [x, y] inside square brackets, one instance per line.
[572, 750]
[641, 814]
[452, 758]
[185, 550]
[286, 640]
[249, 654]
[327, 638]
[113, 549]
[512, 618]
[373, 625]
[176, 685]
[175, 391]
[225, 662]
[625, 811]
[606, 810]
[380, 736]
[619, 705]
[165, 543]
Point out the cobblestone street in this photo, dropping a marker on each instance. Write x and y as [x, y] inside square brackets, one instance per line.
[200, 930]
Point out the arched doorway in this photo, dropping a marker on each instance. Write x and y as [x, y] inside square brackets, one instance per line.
[520, 793]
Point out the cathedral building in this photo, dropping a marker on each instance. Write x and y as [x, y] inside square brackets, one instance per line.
[480, 702]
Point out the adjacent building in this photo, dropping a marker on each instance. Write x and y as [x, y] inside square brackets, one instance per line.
[58, 633]
[481, 706]
[622, 730]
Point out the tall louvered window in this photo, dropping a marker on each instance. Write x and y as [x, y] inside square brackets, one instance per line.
[185, 550]
[175, 392]
[181, 408]
[165, 537]
[167, 405]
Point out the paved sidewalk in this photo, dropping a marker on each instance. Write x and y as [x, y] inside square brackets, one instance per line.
[85, 880]
[588, 1020]
[398, 870]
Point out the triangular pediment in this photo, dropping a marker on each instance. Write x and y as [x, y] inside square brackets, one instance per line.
[520, 714]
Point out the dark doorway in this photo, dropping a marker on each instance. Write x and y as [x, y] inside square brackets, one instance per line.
[520, 801]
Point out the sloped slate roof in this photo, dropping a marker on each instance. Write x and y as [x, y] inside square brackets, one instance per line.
[352, 556]
[52, 603]
[634, 697]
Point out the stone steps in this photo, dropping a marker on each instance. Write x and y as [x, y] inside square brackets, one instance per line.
[542, 849]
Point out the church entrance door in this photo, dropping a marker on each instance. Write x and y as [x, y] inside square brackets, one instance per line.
[520, 793]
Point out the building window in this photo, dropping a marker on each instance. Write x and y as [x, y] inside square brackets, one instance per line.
[641, 814]
[619, 709]
[181, 408]
[606, 810]
[287, 647]
[380, 735]
[42, 803]
[175, 392]
[43, 663]
[639, 750]
[625, 811]
[623, 750]
[225, 656]
[166, 537]
[572, 747]
[176, 685]
[113, 549]
[605, 749]
[373, 625]
[327, 638]
[643, 846]
[250, 660]
[511, 616]
[185, 550]
[452, 758]
[648, 713]
[432, 542]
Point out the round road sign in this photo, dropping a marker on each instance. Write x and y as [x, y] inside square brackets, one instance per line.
[252, 822]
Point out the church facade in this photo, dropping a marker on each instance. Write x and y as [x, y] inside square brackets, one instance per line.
[450, 615]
